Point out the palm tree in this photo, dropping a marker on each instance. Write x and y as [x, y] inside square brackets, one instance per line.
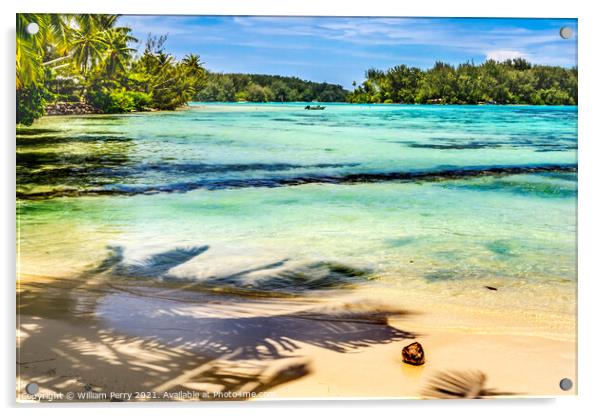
[28, 62]
[60, 30]
[31, 51]
[117, 52]
[192, 61]
[30, 47]
[87, 43]
[105, 21]
[164, 60]
[193, 68]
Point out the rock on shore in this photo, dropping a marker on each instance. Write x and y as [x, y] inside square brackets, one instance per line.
[63, 109]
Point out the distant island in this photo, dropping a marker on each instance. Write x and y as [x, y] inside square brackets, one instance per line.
[80, 64]
[514, 81]
[267, 88]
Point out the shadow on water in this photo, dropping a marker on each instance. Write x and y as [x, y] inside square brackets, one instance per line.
[271, 279]
[56, 161]
[157, 265]
[557, 144]
[135, 320]
[173, 182]
[452, 146]
[106, 163]
[34, 132]
[40, 165]
[542, 185]
[94, 138]
[503, 248]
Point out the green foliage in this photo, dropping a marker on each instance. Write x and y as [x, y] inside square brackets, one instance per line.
[241, 96]
[511, 82]
[87, 57]
[257, 93]
[262, 88]
[171, 84]
[120, 101]
[30, 104]
[141, 100]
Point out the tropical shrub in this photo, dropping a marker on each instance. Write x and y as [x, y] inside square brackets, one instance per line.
[30, 104]
[121, 101]
[88, 57]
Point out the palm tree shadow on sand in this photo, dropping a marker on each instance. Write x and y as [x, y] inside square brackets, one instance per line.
[215, 325]
[460, 385]
[235, 332]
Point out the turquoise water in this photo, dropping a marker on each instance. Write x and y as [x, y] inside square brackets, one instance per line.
[436, 201]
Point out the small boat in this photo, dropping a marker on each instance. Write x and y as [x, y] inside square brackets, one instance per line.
[315, 107]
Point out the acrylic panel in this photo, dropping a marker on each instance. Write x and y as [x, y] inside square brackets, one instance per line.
[261, 207]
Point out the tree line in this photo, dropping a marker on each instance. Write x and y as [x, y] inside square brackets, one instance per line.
[514, 81]
[90, 58]
[264, 88]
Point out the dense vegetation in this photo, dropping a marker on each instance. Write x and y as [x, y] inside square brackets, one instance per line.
[261, 88]
[89, 58]
[511, 82]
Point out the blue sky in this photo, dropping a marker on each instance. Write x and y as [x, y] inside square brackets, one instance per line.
[340, 49]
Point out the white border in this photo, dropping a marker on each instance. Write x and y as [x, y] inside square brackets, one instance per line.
[590, 207]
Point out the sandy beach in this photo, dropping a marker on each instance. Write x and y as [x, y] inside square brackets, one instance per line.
[220, 347]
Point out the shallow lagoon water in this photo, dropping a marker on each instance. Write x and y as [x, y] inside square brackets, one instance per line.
[216, 180]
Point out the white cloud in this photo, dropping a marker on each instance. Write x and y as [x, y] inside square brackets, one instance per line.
[353, 36]
[504, 54]
[460, 35]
